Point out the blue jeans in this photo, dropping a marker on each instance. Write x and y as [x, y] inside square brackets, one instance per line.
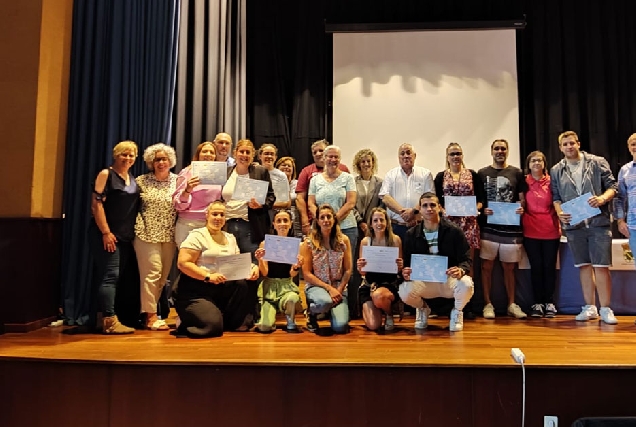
[107, 269]
[243, 233]
[632, 241]
[319, 301]
[352, 234]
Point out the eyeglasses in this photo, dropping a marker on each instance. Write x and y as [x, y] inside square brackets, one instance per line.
[161, 159]
[536, 160]
[455, 154]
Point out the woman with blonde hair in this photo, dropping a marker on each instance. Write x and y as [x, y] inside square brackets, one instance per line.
[191, 198]
[288, 166]
[326, 269]
[114, 205]
[379, 291]
[154, 229]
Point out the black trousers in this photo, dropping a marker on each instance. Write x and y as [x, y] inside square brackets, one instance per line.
[542, 255]
[206, 309]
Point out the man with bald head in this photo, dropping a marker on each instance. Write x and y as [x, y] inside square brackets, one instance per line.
[402, 188]
[223, 144]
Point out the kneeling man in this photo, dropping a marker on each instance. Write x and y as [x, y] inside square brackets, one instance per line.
[437, 236]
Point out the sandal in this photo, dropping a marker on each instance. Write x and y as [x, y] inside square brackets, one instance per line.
[158, 325]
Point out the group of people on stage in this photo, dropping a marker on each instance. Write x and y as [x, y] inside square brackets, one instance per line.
[337, 215]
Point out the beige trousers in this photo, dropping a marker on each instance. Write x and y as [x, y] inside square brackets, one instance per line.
[155, 261]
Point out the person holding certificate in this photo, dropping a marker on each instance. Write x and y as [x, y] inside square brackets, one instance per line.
[327, 269]
[590, 240]
[206, 302]
[280, 183]
[248, 221]
[191, 198]
[441, 238]
[277, 291]
[287, 165]
[379, 291]
[541, 235]
[503, 184]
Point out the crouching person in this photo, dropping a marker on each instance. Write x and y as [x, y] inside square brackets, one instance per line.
[437, 236]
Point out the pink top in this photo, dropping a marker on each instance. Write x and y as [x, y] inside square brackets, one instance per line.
[198, 200]
[540, 220]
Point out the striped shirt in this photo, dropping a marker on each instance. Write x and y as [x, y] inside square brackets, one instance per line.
[625, 200]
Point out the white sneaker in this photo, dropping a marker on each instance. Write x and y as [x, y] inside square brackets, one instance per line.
[389, 324]
[456, 320]
[489, 311]
[588, 312]
[607, 316]
[291, 322]
[515, 311]
[421, 317]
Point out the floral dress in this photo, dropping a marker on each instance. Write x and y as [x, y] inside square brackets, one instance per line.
[463, 187]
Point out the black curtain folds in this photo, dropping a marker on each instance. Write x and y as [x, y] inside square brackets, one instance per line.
[122, 79]
[575, 67]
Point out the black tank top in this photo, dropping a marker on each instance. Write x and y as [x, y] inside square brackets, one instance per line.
[121, 204]
[277, 270]
[380, 278]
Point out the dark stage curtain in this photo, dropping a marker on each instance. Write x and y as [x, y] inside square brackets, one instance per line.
[576, 72]
[121, 87]
[575, 67]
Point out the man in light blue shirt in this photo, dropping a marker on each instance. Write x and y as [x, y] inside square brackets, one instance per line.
[625, 201]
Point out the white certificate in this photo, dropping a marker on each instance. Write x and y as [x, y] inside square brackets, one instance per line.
[248, 189]
[504, 213]
[281, 249]
[579, 209]
[380, 259]
[280, 185]
[460, 205]
[429, 268]
[210, 173]
[235, 267]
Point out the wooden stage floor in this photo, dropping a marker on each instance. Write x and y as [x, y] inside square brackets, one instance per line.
[554, 343]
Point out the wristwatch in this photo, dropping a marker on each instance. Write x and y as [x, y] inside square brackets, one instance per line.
[207, 279]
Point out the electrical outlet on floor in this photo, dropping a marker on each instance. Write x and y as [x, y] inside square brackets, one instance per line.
[550, 421]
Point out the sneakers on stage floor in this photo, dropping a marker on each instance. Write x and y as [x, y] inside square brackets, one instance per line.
[421, 317]
[536, 311]
[588, 312]
[607, 316]
[550, 310]
[515, 311]
[456, 320]
[489, 311]
[389, 324]
[312, 322]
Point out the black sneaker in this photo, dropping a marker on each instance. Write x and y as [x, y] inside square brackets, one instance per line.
[312, 322]
[536, 311]
[550, 310]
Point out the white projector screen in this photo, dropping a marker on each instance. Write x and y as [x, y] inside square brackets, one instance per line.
[426, 88]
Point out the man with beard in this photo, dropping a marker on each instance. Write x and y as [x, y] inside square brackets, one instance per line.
[502, 183]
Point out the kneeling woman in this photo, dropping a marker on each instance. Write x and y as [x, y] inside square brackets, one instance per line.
[326, 269]
[208, 304]
[379, 292]
[277, 291]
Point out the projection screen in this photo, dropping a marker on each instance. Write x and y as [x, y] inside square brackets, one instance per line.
[426, 88]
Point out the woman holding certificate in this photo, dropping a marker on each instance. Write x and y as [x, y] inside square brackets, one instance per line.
[459, 181]
[379, 291]
[192, 198]
[541, 235]
[267, 154]
[326, 268]
[277, 291]
[338, 189]
[206, 301]
[247, 217]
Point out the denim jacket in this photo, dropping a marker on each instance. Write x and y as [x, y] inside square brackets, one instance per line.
[597, 178]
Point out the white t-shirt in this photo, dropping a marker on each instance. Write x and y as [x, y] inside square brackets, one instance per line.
[200, 240]
[234, 208]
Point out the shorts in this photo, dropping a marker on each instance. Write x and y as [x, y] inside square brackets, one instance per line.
[508, 252]
[590, 246]
[364, 291]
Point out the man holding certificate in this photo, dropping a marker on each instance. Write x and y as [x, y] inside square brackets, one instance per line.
[590, 240]
[443, 243]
